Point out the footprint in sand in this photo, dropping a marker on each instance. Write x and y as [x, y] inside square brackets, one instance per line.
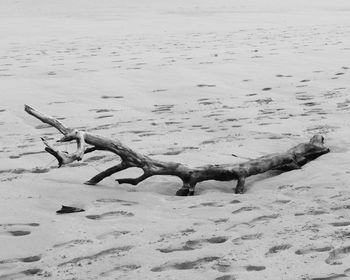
[112, 96]
[159, 90]
[226, 277]
[94, 158]
[312, 212]
[195, 244]
[115, 200]
[113, 234]
[120, 268]
[313, 250]
[160, 109]
[73, 243]
[220, 221]
[205, 85]
[302, 188]
[235, 201]
[255, 267]
[17, 232]
[341, 207]
[245, 209]
[24, 260]
[207, 204]
[103, 117]
[255, 221]
[282, 201]
[118, 251]
[247, 237]
[112, 214]
[337, 254]
[278, 248]
[263, 218]
[341, 224]
[331, 277]
[196, 264]
[21, 274]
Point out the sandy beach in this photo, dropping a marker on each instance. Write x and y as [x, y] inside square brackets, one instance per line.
[185, 81]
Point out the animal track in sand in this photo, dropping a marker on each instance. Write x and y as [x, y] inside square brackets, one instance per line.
[312, 250]
[195, 244]
[111, 214]
[197, 264]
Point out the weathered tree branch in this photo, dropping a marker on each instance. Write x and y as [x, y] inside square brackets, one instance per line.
[294, 158]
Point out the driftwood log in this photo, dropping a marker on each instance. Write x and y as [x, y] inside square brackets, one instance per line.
[294, 158]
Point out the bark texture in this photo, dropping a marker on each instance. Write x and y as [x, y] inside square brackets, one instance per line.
[294, 158]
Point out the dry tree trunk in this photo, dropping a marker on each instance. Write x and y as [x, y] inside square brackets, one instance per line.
[294, 158]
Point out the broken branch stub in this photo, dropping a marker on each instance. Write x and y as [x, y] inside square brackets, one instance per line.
[294, 158]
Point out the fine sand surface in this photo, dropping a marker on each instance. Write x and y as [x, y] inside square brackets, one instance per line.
[188, 81]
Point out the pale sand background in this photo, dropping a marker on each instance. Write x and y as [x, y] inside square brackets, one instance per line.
[181, 80]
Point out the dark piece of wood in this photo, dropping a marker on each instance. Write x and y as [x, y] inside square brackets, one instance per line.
[69, 209]
[294, 158]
